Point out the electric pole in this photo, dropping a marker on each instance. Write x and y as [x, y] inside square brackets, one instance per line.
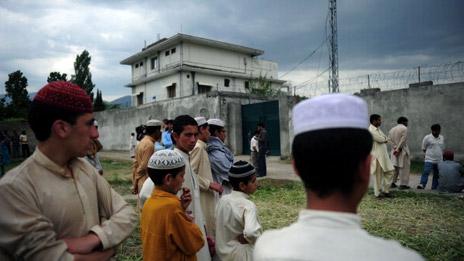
[333, 52]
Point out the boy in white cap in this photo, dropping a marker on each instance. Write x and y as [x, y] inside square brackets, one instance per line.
[167, 232]
[237, 224]
[331, 154]
[143, 152]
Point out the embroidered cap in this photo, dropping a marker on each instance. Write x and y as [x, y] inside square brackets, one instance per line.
[166, 159]
[330, 111]
[216, 122]
[65, 95]
[201, 120]
[153, 123]
[241, 169]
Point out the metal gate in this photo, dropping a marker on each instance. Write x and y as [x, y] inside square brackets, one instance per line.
[267, 113]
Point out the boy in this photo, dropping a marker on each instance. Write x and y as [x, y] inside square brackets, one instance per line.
[168, 233]
[237, 224]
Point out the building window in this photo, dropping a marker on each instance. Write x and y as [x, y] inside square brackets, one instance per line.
[137, 65]
[173, 50]
[166, 53]
[141, 64]
[203, 88]
[154, 63]
[226, 82]
[140, 99]
[247, 85]
[171, 90]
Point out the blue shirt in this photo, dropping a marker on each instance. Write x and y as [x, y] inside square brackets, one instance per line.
[166, 140]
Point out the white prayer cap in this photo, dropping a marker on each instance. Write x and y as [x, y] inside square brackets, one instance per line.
[200, 120]
[330, 111]
[166, 159]
[153, 123]
[216, 122]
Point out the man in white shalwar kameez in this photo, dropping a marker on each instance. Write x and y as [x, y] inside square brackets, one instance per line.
[237, 223]
[381, 166]
[331, 154]
[400, 155]
[209, 189]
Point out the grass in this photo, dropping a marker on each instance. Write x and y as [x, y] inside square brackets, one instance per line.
[432, 224]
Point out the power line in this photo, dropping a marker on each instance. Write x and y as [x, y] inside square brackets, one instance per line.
[305, 59]
[302, 84]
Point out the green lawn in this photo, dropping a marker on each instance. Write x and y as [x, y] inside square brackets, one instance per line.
[432, 224]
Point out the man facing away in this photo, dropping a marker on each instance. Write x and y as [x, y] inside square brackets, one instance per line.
[381, 167]
[400, 155]
[432, 145]
[202, 167]
[261, 170]
[55, 205]
[143, 152]
[220, 157]
[254, 149]
[451, 174]
[331, 155]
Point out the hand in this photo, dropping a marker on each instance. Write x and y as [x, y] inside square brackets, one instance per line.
[242, 240]
[186, 198]
[216, 187]
[82, 245]
[96, 255]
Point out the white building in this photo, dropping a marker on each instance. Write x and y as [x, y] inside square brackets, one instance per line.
[185, 65]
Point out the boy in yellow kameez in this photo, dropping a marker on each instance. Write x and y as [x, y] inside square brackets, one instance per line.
[167, 231]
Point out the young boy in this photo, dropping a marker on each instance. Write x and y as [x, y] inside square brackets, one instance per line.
[168, 233]
[237, 225]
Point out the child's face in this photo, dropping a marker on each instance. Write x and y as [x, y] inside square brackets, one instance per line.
[251, 187]
[175, 183]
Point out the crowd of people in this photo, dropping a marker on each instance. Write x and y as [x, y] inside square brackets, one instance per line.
[193, 197]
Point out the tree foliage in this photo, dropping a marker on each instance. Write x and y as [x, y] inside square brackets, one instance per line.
[16, 90]
[57, 76]
[82, 76]
[262, 86]
[98, 104]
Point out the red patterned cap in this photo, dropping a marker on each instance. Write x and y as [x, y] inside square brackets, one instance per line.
[65, 95]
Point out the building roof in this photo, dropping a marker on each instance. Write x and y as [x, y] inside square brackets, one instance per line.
[166, 43]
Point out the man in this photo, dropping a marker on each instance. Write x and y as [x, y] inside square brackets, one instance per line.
[55, 205]
[254, 149]
[432, 145]
[400, 155]
[23, 140]
[185, 135]
[201, 166]
[132, 144]
[92, 154]
[381, 166]
[451, 174]
[166, 139]
[220, 156]
[262, 145]
[331, 155]
[143, 152]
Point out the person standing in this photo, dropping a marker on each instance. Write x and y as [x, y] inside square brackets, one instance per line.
[254, 149]
[381, 166]
[23, 140]
[143, 152]
[432, 145]
[132, 145]
[55, 205]
[220, 157]
[202, 167]
[166, 139]
[400, 155]
[262, 146]
[331, 154]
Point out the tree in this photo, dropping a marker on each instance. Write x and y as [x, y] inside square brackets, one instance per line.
[82, 76]
[16, 90]
[98, 104]
[57, 76]
[263, 87]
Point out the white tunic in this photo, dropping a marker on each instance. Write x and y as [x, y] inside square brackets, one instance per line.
[236, 215]
[327, 235]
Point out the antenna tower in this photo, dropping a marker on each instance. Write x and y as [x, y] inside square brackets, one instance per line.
[333, 50]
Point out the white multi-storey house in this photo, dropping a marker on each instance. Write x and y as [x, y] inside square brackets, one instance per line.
[185, 65]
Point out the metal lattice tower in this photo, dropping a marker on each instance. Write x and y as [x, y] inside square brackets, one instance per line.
[333, 50]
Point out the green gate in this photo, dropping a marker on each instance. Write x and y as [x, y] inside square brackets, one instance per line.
[267, 113]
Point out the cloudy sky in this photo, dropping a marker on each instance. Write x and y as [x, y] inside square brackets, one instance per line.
[38, 37]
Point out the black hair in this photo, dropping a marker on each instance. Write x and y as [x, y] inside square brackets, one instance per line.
[235, 182]
[149, 130]
[328, 160]
[214, 128]
[202, 126]
[157, 175]
[374, 117]
[181, 121]
[402, 120]
[435, 127]
[261, 124]
[41, 117]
